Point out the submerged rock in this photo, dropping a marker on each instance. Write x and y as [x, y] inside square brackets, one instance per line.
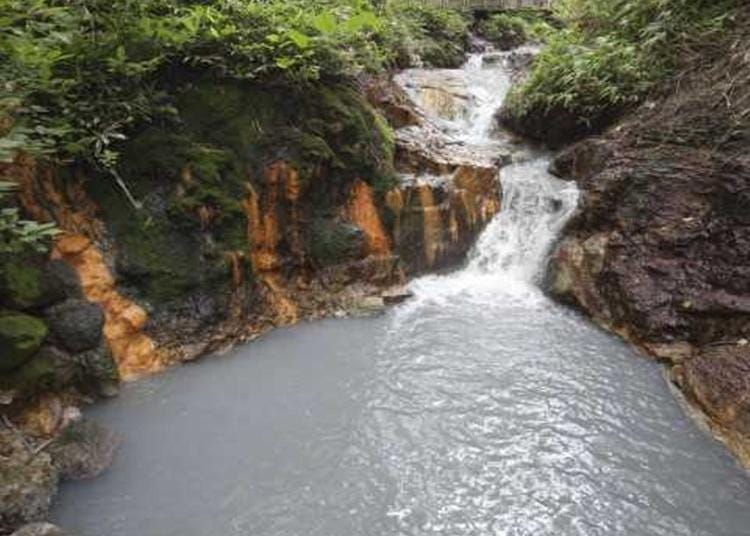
[40, 529]
[84, 449]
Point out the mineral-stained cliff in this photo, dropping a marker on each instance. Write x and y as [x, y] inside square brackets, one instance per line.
[256, 213]
[660, 248]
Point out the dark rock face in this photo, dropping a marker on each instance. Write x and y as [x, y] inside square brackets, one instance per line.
[554, 127]
[76, 324]
[660, 248]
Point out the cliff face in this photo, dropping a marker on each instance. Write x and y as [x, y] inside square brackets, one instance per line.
[253, 215]
[660, 248]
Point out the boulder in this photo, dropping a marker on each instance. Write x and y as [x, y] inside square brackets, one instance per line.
[21, 336]
[98, 370]
[554, 126]
[83, 450]
[76, 324]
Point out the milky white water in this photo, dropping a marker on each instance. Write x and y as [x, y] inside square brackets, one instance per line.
[477, 408]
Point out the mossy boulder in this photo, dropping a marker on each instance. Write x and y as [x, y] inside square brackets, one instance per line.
[44, 371]
[21, 336]
[91, 372]
[23, 284]
[32, 283]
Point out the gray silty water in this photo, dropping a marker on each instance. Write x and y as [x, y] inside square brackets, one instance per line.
[455, 417]
[477, 408]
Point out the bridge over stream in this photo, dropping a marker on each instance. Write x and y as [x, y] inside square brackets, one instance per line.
[488, 5]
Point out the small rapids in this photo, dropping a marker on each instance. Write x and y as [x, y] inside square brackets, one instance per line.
[478, 408]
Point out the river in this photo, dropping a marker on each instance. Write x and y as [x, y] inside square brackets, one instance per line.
[479, 407]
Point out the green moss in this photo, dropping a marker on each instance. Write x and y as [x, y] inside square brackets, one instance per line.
[22, 284]
[21, 336]
[37, 374]
[165, 263]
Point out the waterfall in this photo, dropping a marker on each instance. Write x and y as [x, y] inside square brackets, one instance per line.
[510, 253]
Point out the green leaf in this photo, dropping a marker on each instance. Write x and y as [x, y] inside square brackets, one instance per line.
[325, 22]
[298, 38]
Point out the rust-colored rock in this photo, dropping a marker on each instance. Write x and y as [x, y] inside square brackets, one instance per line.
[363, 213]
[134, 351]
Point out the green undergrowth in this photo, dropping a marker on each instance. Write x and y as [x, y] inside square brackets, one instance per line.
[507, 30]
[611, 54]
[78, 76]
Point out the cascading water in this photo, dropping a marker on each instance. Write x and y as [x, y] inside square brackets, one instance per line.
[479, 408]
[511, 251]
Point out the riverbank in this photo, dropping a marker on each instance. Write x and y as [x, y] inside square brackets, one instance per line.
[657, 251]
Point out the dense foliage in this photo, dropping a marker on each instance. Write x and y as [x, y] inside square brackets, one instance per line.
[511, 29]
[19, 237]
[77, 75]
[613, 52]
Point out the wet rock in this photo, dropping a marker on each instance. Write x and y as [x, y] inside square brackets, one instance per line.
[396, 295]
[76, 324]
[21, 336]
[553, 126]
[27, 483]
[84, 449]
[435, 220]
[369, 305]
[448, 99]
[62, 277]
[40, 529]
[392, 100]
[98, 369]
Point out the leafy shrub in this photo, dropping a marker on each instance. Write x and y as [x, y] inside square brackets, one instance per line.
[504, 30]
[437, 36]
[589, 78]
[612, 53]
[18, 236]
